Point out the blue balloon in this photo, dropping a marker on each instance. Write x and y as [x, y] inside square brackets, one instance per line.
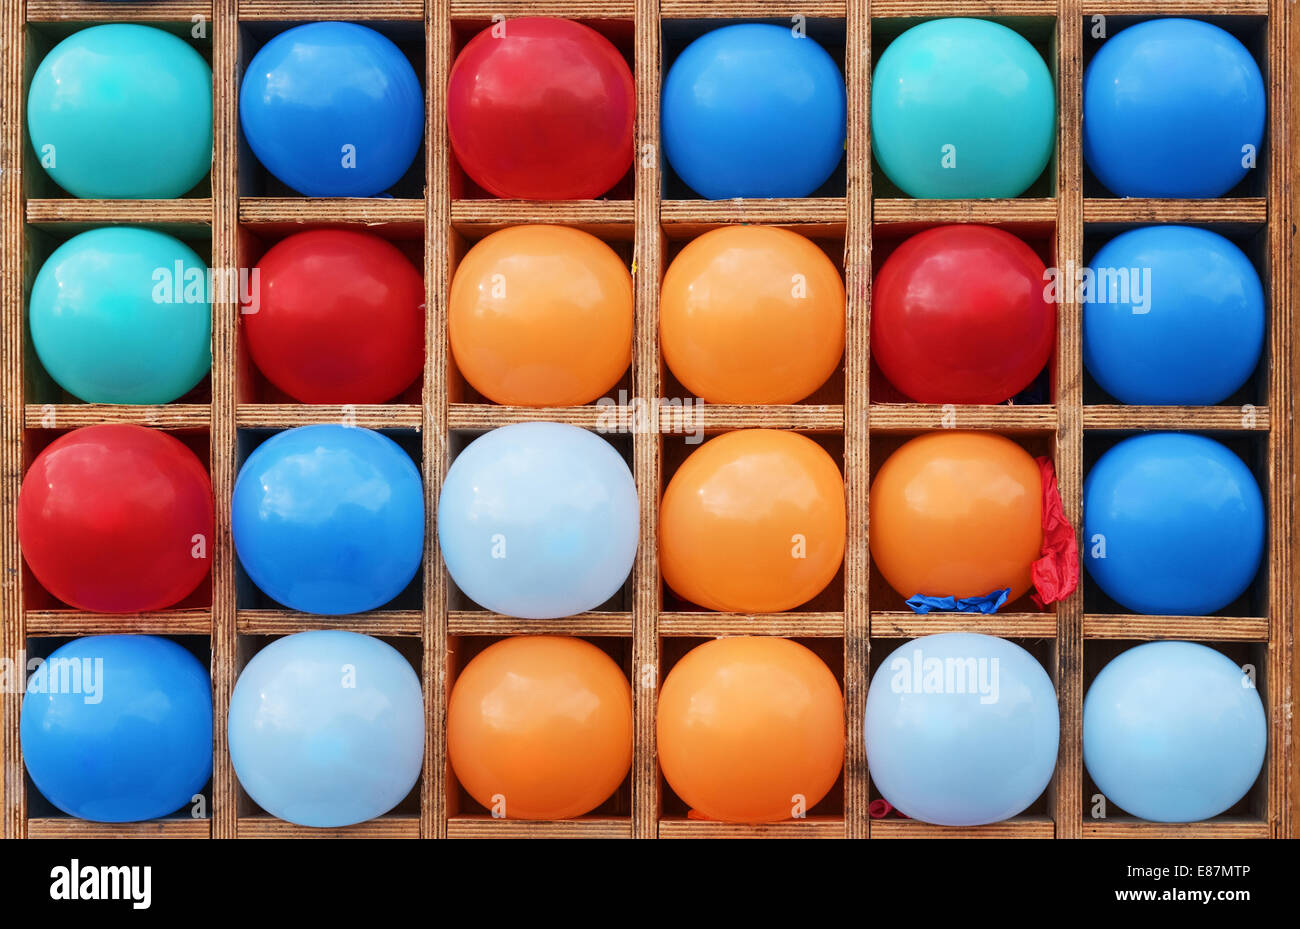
[118, 728]
[1173, 732]
[961, 729]
[333, 110]
[1172, 108]
[751, 110]
[1173, 524]
[1175, 315]
[539, 520]
[329, 519]
[326, 728]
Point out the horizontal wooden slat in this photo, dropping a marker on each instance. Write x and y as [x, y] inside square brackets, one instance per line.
[1027, 211]
[88, 11]
[76, 415]
[198, 211]
[69, 828]
[494, 213]
[930, 9]
[785, 624]
[77, 622]
[385, 827]
[673, 419]
[286, 622]
[810, 828]
[289, 415]
[478, 622]
[1176, 7]
[1210, 418]
[828, 211]
[1226, 828]
[909, 625]
[485, 827]
[917, 417]
[360, 210]
[1136, 210]
[1022, 827]
[344, 10]
[1194, 628]
[572, 9]
[746, 9]
[482, 416]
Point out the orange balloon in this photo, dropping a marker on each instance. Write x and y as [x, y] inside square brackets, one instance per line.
[752, 314]
[540, 726]
[749, 725]
[753, 522]
[957, 514]
[541, 316]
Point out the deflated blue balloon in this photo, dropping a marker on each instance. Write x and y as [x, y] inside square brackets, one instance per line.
[1172, 108]
[329, 519]
[961, 729]
[753, 110]
[1175, 315]
[1173, 732]
[539, 520]
[1173, 524]
[332, 110]
[326, 728]
[118, 728]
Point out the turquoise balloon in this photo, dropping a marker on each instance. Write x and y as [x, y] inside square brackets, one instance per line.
[962, 109]
[122, 315]
[122, 111]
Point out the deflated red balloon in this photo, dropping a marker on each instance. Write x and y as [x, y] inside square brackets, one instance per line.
[542, 109]
[959, 314]
[117, 519]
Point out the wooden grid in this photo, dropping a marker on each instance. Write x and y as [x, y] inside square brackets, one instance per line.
[644, 630]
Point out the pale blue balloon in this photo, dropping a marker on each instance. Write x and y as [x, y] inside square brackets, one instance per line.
[961, 729]
[539, 520]
[1173, 732]
[327, 728]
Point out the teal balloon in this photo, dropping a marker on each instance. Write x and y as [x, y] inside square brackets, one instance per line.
[122, 315]
[962, 109]
[122, 111]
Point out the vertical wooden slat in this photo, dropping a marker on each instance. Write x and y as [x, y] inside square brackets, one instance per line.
[1067, 786]
[646, 443]
[857, 434]
[1292, 245]
[225, 337]
[12, 623]
[437, 282]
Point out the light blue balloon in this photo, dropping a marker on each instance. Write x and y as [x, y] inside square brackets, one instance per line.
[329, 518]
[326, 728]
[121, 111]
[539, 520]
[1173, 732]
[962, 108]
[961, 729]
[122, 315]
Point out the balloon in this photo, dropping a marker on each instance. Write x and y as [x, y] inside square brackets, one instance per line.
[122, 111]
[752, 110]
[1169, 106]
[339, 318]
[753, 522]
[959, 315]
[962, 109]
[751, 729]
[118, 728]
[957, 514]
[1173, 732]
[542, 109]
[540, 727]
[1173, 524]
[332, 110]
[541, 316]
[961, 729]
[752, 314]
[116, 519]
[122, 315]
[539, 520]
[326, 728]
[329, 519]
[1175, 316]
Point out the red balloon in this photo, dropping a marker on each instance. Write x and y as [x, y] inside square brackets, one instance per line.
[117, 519]
[959, 314]
[339, 318]
[542, 109]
